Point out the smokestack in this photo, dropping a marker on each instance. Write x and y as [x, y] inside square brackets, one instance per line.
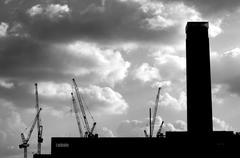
[199, 96]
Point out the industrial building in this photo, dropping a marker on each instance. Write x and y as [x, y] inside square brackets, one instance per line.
[199, 136]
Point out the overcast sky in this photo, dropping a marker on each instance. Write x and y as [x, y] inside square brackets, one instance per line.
[119, 52]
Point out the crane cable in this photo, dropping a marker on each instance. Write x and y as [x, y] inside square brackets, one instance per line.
[78, 111]
[88, 109]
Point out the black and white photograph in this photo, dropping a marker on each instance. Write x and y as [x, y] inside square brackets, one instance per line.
[143, 77]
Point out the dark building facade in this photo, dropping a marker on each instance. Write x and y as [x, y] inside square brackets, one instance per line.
[199, 97]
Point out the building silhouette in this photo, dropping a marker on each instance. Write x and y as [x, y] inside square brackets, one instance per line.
[198, 140]
[199, 97]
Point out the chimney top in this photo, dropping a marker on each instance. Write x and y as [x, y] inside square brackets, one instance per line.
[191, 25]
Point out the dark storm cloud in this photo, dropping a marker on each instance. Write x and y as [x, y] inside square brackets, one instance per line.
[102, 21]
[26, 59]
[23, 62]
[92, 20]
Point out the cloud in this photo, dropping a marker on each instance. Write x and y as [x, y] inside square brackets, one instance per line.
[161, 84]
[104, 100]
[35, 10]
[51, 89]
[146, 73]
[219, 92]
[3, 29]
[6, 84]
[29, 60]
[7, 1]
[173, 103]
[56, 112]
[11, 124]
[26, 59]
[104, 132]
[170, 66]
[164, 15]
[220, 125]
[135, 128]
[215, 28]
[52, 11]
[127, 47]
[223, 65]
[211, 7]
[106, 64]
[167, 15]
[180, 125]
[107, 22]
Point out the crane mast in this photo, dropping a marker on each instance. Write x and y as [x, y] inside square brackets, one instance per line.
[89, 132]
[81, 105]
[159, 133]
[25, 144]
[77, 116]
[155, 111]
[39, 126]
[93, 127]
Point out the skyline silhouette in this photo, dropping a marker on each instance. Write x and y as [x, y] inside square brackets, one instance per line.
[119, 52]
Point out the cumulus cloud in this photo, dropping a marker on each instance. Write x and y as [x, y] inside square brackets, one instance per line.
[223, 66]
[215, 28]
[135, 128]
[220, 125]
[146, 73]
[170, 66]
[163, 15]
[51, 89]
[24, 61]
[3, 29]
[52, 11]
[108, 65]
[178, 104]
[104, 99]
[35, 10]
[180, 125]
[37, 61]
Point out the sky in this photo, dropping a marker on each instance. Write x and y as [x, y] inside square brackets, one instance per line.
[119, 52]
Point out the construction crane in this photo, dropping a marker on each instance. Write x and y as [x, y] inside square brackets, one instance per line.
[93, 127]
[25, 144]
[150, 119]
[89, 131]
[77, 115]
[39, 126]
[159, 132]
[155, 112]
